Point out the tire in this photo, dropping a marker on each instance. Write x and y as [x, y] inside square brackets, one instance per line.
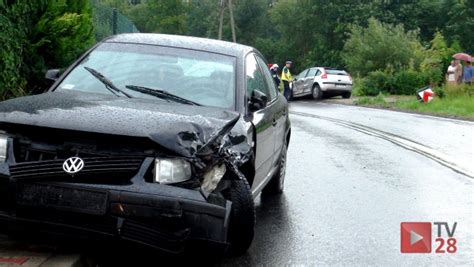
[316, 92]
[242, 217]
[346, 95]
[276, 184]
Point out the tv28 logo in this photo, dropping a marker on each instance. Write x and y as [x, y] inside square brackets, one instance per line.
[416, 237]
[446, 244]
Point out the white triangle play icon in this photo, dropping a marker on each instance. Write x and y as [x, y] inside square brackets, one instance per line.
[414, 237]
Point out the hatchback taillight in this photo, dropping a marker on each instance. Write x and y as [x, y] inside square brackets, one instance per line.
[324, 76]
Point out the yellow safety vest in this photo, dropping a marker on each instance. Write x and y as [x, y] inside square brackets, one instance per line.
[286, 75]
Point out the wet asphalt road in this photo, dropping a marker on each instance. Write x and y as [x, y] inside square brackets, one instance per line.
[347, 192]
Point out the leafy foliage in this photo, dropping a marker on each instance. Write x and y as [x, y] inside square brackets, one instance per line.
[384, 42]
[437, 58]
[402, 82]
[406, 82]
[376, 82]
[381, 47]
[310, 32]
[460, 24]
[37, 35]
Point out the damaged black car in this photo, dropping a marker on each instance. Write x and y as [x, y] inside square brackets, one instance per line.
[158, 140]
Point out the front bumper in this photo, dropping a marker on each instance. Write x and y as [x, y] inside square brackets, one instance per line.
[159, 216]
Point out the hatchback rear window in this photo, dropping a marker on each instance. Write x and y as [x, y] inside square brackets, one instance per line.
[337, 72]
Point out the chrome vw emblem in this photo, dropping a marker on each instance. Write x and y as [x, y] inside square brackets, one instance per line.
[73, 165]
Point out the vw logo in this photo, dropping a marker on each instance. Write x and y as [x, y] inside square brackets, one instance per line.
[73, 165]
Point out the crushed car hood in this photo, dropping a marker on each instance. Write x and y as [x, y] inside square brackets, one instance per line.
[178, 127]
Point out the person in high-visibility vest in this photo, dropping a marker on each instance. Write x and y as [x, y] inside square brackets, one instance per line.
[286, 77]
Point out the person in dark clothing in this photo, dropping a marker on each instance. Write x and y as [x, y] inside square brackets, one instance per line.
[274, 71]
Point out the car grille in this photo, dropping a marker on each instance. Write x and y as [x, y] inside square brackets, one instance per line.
[94, 166]
[31, 154]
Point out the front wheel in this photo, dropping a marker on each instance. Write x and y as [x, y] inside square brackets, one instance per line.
[242, 217]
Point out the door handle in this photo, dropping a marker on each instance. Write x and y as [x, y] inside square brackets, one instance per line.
[274, 122]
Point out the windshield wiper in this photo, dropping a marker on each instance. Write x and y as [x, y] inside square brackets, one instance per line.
[109, 85]
[161, 94]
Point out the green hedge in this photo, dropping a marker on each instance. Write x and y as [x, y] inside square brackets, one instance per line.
[404, 82]
[37, 35]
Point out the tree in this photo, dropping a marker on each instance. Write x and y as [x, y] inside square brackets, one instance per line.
[381, 47]
[202, 18]
[63, 32]
[40, 34]
[460, 24]
[437, 58]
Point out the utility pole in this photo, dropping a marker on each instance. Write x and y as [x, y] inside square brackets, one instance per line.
[223, 4]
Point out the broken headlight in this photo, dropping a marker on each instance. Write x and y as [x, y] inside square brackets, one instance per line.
[171, 171]
[3, 148]
[213, 177]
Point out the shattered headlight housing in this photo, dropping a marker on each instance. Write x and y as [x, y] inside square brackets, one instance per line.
[3, 147]
[213, 177]
[171, 171]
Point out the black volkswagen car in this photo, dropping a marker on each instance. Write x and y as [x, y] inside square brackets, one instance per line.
[159, 140]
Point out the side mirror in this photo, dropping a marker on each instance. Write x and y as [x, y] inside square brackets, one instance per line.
[258, 100]
[52, 75]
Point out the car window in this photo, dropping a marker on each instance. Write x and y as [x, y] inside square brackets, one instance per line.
[318, 72]
[268, 78]
[302, 74]
[202, 77]
[337, 72]
[254, 77]
[311, 73]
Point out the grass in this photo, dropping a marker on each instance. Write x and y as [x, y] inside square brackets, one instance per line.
[377, 101]
[451, 106]
[457, 103]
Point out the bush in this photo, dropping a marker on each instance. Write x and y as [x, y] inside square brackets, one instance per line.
[376, 82]
[439, 91]
[437, 59]
[381, 47]
[406, 82]
[37, 35]
[461, 90]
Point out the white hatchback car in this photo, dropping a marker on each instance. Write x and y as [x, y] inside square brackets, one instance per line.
[321, 81]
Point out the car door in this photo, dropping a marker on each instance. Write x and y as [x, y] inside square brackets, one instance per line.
[279, 110]
[298, 84]
[309, 80]
[262, 120]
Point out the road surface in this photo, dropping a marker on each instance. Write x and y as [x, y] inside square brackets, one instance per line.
[347, 190]
[354, 174]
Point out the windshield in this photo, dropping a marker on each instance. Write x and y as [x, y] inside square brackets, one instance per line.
[202, 77]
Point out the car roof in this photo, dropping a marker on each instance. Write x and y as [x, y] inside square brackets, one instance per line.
[331, 68]
[196, 43]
